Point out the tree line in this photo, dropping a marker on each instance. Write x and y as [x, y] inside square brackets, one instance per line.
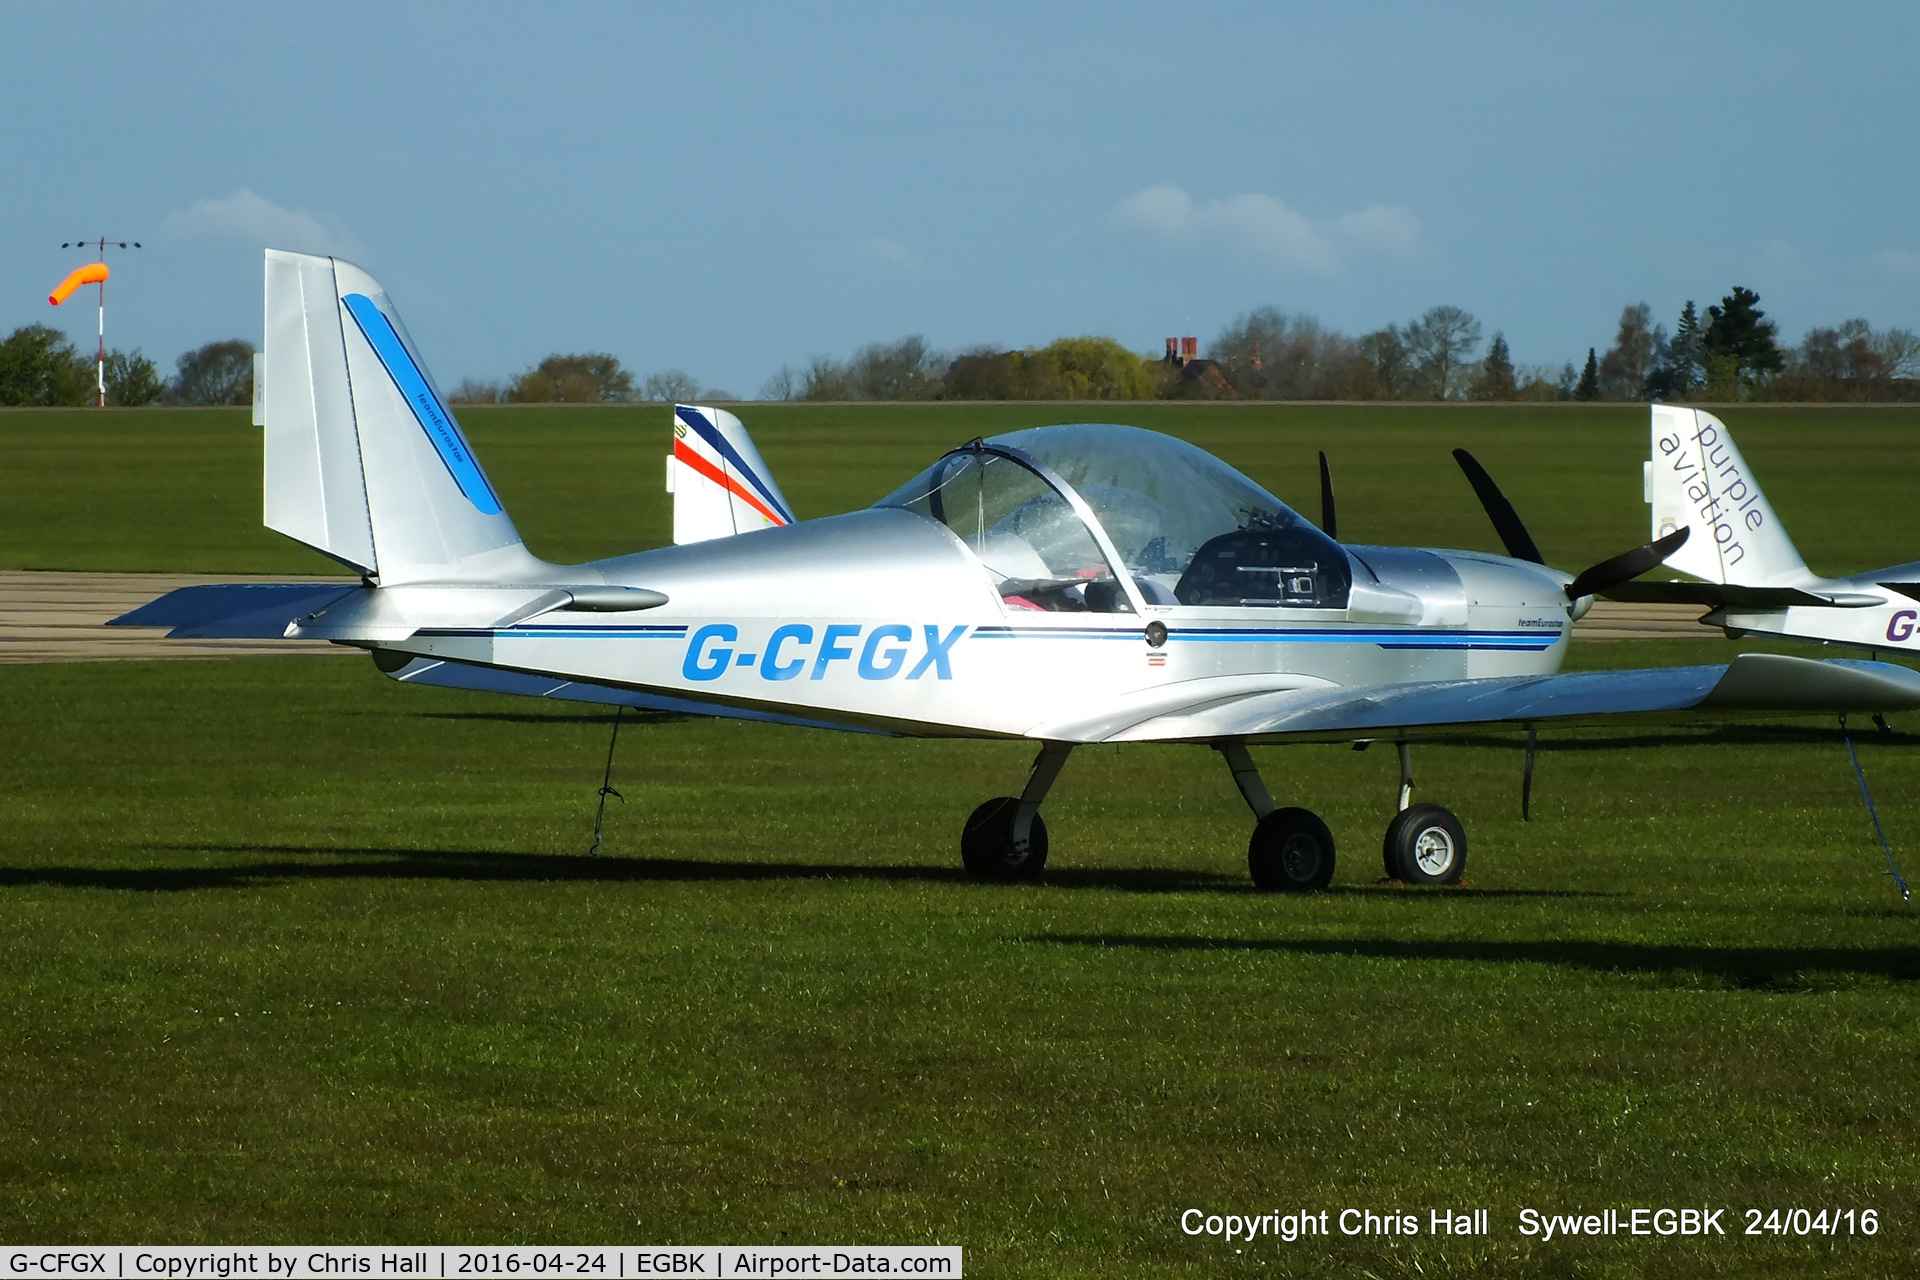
[39, 366]
[1730, 352]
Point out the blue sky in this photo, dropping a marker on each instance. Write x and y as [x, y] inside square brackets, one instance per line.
[725, 188]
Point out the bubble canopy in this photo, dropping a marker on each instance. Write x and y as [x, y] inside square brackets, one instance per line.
[1186, 528]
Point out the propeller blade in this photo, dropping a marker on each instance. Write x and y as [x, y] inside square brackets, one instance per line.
[1626, 566]
[1327, 523]
[1506, 521]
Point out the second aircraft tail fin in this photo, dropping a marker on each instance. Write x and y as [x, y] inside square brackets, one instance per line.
[719, 483]
[1696, 478]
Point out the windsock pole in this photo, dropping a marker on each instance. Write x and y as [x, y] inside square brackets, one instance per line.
[100, 363]
[93, 273]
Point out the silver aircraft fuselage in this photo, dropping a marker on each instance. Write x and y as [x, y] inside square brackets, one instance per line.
[883, 618]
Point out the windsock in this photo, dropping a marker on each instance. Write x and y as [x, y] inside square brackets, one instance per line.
[92, 273]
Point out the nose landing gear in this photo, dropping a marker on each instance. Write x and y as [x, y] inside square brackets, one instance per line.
[1005, 839]
[1425, 844]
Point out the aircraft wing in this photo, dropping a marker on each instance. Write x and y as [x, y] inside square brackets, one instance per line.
[1752, 683]
[460, 675]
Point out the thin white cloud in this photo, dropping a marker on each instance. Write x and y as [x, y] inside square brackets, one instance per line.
[1378, 228]
[881, 251]
[1781, 259]
[1265, 226]
[1899, 261]
[260, 222]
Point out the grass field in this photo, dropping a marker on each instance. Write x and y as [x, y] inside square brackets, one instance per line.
[179, 490]
[293, 953]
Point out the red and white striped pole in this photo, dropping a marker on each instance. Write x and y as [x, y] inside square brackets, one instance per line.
[100, 364]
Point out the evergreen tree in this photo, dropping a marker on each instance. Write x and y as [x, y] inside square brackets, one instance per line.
[1496, 380]
[1677, 373]
[1740, 340]
[1588, 387]
[1683, 352]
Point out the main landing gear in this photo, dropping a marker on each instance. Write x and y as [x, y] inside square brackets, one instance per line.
[1006, 839]
[1291, 849]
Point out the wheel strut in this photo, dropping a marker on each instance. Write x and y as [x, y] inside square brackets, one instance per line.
[1046, 768]
[1406, 775]
[1246, 776]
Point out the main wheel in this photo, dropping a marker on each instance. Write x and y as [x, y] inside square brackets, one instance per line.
[1425, 844]
[1292, 851]
[986, 844]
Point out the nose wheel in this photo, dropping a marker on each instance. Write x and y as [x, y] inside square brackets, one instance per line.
[1425, 844]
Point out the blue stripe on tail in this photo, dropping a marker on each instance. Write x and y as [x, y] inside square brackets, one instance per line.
[433, 417]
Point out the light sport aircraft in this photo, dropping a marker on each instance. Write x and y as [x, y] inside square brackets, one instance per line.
[1754, 581]
[1063, 585]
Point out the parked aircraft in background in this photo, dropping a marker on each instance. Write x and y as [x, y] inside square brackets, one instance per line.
[1064, 585]
[1753, 580]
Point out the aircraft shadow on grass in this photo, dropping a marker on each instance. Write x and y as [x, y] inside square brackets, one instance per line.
[1750, 967]
[291, 864]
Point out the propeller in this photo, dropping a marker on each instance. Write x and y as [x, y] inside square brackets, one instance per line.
[1520, 545]
[1626, 566]
[1506, 521]
[1328, 525]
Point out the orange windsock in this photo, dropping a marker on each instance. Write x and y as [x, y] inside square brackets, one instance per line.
[92, 273]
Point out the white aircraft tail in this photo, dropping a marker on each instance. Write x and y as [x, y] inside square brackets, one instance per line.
[1696, 478]
[364, 462]
[719, 483]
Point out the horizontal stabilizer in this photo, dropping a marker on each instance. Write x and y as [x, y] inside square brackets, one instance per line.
[235, 610]
[1751, 683]
[460, 675]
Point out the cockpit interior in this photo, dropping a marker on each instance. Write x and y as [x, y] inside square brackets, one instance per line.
[1065, 519]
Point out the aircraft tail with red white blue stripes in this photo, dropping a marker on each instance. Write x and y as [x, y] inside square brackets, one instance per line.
[719, 483]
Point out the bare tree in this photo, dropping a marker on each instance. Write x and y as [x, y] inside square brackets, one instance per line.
[477, 391]
[1629, 363]
[218, 373]
[1441, 344]
[674, 385]
[785, 383]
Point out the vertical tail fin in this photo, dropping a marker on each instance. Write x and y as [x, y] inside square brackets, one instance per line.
[1696, 478]
[364, 462]
[719, 484]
